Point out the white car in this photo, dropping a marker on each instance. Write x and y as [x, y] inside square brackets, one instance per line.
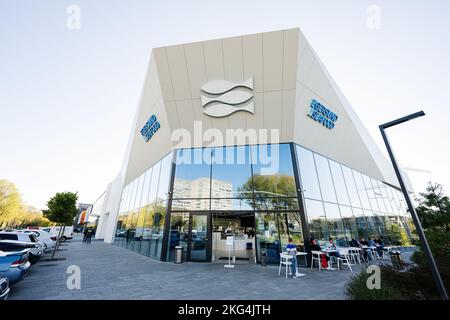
[54, 231]
[20, 237]
[42, 236]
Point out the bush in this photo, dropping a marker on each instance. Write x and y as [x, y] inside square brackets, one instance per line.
[409, 284]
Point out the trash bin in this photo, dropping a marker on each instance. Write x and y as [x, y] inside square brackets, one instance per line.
[178, 254]
[396, 259]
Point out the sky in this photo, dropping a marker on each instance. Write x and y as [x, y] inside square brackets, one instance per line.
[68, 95]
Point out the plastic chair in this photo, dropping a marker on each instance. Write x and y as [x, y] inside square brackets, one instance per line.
[344, 259]
[315, 256]
[286, 260]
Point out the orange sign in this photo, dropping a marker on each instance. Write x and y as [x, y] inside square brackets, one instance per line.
[83, 216]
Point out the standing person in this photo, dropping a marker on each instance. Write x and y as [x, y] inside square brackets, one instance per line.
[88, 236]
[291, 249]
[85, 235]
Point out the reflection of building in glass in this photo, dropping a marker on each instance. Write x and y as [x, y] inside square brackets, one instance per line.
[193, 193]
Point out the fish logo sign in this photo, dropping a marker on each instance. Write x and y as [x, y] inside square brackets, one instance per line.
[220, 98]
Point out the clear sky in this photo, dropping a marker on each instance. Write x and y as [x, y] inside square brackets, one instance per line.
[68, 97]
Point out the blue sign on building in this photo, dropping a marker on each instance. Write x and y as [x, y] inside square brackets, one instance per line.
[323, 115]
[150, 127]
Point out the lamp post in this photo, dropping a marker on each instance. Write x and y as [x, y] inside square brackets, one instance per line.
[432, 264]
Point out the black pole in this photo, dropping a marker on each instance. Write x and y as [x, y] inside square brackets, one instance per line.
[432, 264]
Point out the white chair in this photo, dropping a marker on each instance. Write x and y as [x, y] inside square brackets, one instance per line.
[286, 260]
[315, 256]
[344, 259]
[354, 255]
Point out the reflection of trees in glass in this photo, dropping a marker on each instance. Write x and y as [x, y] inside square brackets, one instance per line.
[270, 192]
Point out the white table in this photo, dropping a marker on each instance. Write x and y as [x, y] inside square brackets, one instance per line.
[327, 252]
[299, 253]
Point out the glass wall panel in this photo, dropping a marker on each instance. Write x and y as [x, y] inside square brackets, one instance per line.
[276, 204]
[349, 220]
[179, 233]
[164, 177]
[267, 237]
[147, 182]
[136, 212]
[157, 230]
[361, 190]
[193, 173]
[152, 194]
[351, 187]
[370, 193]
[378, 196]
[339, 183]
[325, 180]
[318, 228]
[289, 226]
[231, 178]
[273, 173]
[147, 229]
[308, 174]
[335, 224]
[361, 223]
[191, 204]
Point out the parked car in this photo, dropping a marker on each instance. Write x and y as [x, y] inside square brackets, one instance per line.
[42, 236]
[54, 231]
[15, 241]
[4, 288]
[14, 265]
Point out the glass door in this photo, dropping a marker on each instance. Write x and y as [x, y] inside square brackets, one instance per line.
[199, 237]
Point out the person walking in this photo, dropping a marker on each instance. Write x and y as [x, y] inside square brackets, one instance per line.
[88, 236]
[85, 235]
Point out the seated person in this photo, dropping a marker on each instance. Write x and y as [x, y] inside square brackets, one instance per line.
[332, 246]
[371, 243]
[353, 243]
[313, 245]
[380, 246]
[291, 249]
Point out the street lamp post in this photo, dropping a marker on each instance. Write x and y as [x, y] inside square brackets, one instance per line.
[432, 264]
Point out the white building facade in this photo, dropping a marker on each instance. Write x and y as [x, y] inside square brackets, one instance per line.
[248, 137]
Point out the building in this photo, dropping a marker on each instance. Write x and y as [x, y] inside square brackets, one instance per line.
[248, 137]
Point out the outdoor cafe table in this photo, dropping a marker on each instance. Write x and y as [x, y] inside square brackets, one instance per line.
[299, 253]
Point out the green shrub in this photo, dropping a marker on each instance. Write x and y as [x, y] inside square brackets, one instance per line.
[357, 289]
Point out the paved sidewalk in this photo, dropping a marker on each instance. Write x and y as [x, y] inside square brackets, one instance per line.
[110, 272]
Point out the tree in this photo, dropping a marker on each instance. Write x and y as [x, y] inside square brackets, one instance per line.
[434, 208]
[10, 202]
[271, 192]
[62, 209]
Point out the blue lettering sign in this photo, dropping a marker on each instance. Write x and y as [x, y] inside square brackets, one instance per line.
[323, 115]
[150, 127]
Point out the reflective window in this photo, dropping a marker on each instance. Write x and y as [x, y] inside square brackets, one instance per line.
[154, 183]
[267, 237]
[370, 193]
[335, 225]
[191, 204]
[179, 233]
[192, 173]
[351, 187]
[378, 196]
[339, 183]
[325, 181]
[232, 173]
[361, 190]
[273, 173]
[145, 191]
[308, 174]
[349, 220]
[133, 195]
[318, 228]
[164, 178]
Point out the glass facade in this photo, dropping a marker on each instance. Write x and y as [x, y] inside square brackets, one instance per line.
[257, 181]
[142, 210]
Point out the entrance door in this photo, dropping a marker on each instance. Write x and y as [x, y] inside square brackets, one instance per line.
[199, 239]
